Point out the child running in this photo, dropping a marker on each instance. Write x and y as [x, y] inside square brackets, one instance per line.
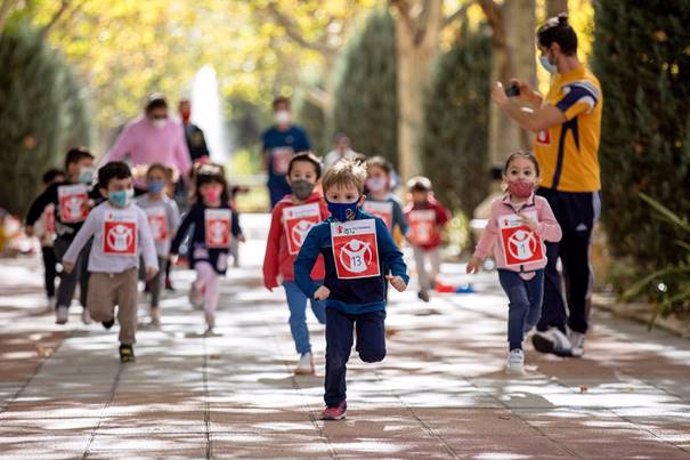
[121, 236]
[426, 217]
[214, 224]
[293, 217]
[163, 216]
[519, 222]
[359, 256]
[380, 202]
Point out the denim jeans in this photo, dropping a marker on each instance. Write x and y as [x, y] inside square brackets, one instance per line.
[525, 298]
[371, 346]
[297, 302]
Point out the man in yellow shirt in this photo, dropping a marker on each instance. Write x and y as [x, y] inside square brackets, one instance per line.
[567, 123]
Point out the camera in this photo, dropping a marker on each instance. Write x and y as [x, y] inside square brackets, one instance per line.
[512, 90]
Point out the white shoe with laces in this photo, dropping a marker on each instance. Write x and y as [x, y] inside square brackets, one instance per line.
[61, 315]
[577, 342]
[515, 363]
[305, 366]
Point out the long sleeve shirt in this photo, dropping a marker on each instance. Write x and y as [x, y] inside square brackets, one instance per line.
[351, 296]
[121, 237]
[547, 229]
[419, 227]
[278, 260]
[164, 217]
[146, 144]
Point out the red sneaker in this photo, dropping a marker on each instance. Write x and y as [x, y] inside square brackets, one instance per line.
[335, 412]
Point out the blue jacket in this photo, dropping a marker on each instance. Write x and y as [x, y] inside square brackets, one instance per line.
[351, 296]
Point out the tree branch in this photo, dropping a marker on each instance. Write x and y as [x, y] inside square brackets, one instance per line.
[404, 10]
[459, 13]
[5, 8]
[64, 5]
[292, 31]
[494, 15]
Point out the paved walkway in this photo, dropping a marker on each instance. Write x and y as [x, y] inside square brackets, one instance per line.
[441, 392]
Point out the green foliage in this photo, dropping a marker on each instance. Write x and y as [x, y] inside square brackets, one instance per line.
[41, 113]
[366, 101]
[642, 59]
[454, 140]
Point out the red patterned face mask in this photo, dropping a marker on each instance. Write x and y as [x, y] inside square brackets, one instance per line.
[520, 189]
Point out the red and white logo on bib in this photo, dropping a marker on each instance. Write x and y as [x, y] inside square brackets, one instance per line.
[72, 200]
[217, 223]
[49, 218]
[544, 137]
[298, 220]
[355, 249]
[281, 156]
[384, 210]
[120, 238]
[423, 226]
[158, 221]
[520, 244]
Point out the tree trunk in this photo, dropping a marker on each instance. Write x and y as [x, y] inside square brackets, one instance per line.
[555, 7]
[416, 48]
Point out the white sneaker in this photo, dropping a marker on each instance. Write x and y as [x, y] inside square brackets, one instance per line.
[61, 315]
[577, 341]
[515, 363]
[50, 305]
[86, 316]
[305, 366]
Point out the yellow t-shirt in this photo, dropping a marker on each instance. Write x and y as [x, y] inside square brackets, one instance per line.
[568, 153]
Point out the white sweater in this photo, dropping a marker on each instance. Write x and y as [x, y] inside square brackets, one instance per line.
[121, 236]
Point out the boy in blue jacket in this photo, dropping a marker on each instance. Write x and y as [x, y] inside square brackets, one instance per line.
[359, 256]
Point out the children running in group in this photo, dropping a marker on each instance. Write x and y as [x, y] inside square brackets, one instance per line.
[360, 257]
[292, 218]
[121, 235]
[519, 223]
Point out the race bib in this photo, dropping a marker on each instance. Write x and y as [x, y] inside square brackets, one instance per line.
[120, 235]
[544, 137]
[423, 226]
[520, 245]
[217, 222]
[72, 200]
[280, 157]
[382, 209]
[49, 219]
[298, 220]
[355, 249]
[158, 221]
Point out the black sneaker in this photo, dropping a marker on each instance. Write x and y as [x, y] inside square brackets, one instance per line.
[552, 341]
[126, 353]
[108, 324]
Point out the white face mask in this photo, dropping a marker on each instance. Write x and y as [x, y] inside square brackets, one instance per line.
[282, 117]
[160, 123]
[86, 174]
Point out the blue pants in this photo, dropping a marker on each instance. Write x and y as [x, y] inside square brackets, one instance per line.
[525, 298]
[297, 302]
[277, 189]
[371, 346]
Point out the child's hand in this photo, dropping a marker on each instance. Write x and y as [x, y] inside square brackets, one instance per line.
[322, 293]
[531, 223]
[151, 273]
[68, 267]
[473, 265]
[270, 284]
[397, 282]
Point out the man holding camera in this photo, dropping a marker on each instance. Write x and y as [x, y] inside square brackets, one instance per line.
[567, 123]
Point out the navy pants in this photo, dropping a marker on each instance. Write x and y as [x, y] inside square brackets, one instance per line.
[576, 213]
[340, 329]
[525, 298]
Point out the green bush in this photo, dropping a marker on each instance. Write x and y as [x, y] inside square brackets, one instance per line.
[42, 112]
[641, 58]
[454, 140]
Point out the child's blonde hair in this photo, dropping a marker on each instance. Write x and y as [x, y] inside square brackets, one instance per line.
[345, 173]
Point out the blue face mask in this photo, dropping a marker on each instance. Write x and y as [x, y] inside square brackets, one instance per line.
[343, 211]
[156, 186]
[121, 198]
[546, 64]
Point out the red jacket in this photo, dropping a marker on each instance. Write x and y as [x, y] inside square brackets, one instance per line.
[278, 260]
[431, 231]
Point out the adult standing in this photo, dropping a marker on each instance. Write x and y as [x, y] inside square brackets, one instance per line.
[341, 151]
[196, 141]
[153, 138]
[279, 143]
[567, 122]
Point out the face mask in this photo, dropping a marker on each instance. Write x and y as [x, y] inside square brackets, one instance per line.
[302, 189]
[343, 211]
[520, 189]
[159, 123]
[377, 184]
[547, 65]
[212, 195]
[86, 174]
[282, 117]
[121, 198]
[156, 186]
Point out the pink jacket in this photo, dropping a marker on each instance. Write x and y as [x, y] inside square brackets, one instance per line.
[547, 229]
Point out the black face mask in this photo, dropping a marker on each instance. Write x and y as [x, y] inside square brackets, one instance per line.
[302, 189]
